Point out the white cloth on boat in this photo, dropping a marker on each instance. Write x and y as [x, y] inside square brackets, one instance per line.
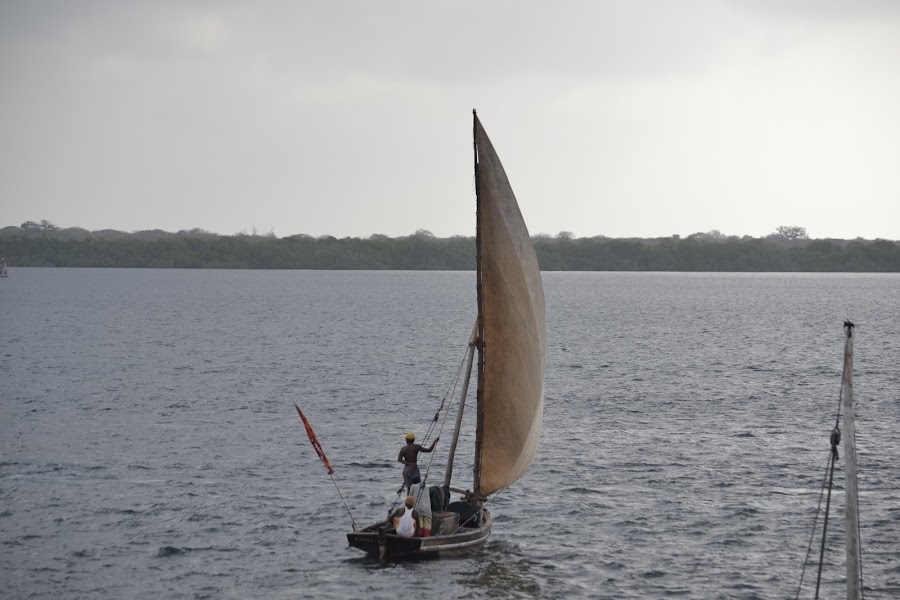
[423, 500]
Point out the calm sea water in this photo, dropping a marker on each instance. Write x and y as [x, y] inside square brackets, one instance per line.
[149, 447]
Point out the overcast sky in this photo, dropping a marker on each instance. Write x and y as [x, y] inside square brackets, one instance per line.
[626, 118]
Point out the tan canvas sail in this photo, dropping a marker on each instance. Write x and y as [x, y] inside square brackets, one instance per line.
[511, 399]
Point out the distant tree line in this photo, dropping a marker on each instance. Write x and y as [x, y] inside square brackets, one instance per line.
[42, 244]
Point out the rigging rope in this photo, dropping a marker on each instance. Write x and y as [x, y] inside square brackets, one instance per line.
[451, 391]
[812, 533]
[835, 440]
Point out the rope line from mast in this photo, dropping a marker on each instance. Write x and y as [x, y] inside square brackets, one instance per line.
[451, 391]
[812, 532]
[835, 440]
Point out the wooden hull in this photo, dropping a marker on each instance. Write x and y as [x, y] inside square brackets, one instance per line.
[389, 546]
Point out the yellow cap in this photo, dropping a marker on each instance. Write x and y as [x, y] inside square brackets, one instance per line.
[410, 500]
[410, 436]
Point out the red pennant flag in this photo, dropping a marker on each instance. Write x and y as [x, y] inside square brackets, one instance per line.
[314, 441]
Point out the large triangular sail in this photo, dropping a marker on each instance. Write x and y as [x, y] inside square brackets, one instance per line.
[511, 341]
[512, 331]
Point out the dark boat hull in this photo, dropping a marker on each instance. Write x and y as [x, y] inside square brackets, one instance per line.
[390, 546]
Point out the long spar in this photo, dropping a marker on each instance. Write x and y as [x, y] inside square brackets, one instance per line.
[459, 414]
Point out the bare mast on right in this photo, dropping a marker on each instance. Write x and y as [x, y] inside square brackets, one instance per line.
[851, 506]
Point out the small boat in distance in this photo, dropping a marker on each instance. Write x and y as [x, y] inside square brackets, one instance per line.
[511, 341]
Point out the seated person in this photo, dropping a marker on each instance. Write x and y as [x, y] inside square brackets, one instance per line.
[405, 519]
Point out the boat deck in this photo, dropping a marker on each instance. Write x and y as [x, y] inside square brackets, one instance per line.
[381, 541]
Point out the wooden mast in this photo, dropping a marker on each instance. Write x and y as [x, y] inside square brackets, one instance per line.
[851, 505]
[479, 327]
[448, 475]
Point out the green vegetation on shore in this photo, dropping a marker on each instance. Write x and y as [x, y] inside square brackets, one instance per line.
[45, 245]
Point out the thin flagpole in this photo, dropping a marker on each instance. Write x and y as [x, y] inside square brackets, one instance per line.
[318, 448]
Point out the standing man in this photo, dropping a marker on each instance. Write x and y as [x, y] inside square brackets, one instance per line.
[409, 456]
